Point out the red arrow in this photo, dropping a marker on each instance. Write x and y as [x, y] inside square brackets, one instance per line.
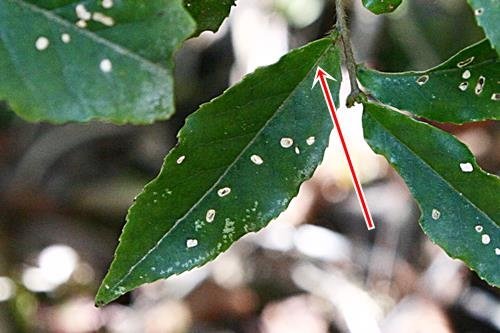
[322, 76]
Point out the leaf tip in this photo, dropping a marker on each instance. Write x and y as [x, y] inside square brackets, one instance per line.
[106, 294]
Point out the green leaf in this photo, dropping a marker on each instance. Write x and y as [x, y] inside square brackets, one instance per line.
[459, 201]
[209, 14]
[382, 6]
[239, 161]
[463, 89]
[487, 14]
[117, 69]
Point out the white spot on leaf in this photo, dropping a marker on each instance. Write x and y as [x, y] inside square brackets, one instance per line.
[497, 251]
[106, 66]
[423, 79]
[466, 75]
[256, 159]
[311, 140]
[479, 228]
[485, 239]
[81, 24]
[463, 86]
[466, 167]
[480, 85]
[210, 215]
[286, 142]
[107, 4]
[191, 243]
[66, 38]
[224, 191]
[436, 214]
[495, 97]
[82, 13]
[42, 43]
[181, 159]
[465, 62]
[479, 11]
[104, 19]
[297, 150]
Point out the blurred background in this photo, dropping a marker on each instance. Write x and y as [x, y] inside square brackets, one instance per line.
[65, 190]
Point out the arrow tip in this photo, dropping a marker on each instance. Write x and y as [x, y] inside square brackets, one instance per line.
[320, 74]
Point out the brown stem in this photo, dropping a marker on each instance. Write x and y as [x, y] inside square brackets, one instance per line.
[356, 95]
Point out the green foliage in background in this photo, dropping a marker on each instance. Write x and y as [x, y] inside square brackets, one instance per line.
[458, 200]
[117, 69]
[463, 89]
[487, 14]
[382, 6]
[208, 14]
[242, 157]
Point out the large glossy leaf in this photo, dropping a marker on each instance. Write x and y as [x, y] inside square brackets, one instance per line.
[239, 161]
[382, 6]
[64, 61]
[209, 14]
[460, 203]
[487, 14]
[463, 89]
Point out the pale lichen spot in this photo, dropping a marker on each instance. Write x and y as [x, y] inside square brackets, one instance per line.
[466, 75]
[107, 4]
[311, 140]
[181, 159]
[495, 97]
[479, 11]
[480, 85]
[436, 214]
[479, 228]
[497, 251]
[229, 228]
[297, 150]
[106, 66]
[198, 225]
[423, 79]
[465, 62]
[463, 86]
[286, 142]
[104, 19]
[485, 239]
[42, 43]
[210, 215]
[466, 167]
[190, 243]
[256, 159]
[82, 13]
[224, 191]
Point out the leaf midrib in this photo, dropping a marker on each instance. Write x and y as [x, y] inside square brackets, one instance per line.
[428, 165]
[431, 70]
[228, 169]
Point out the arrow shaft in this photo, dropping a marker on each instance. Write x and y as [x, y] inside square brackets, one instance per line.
[357, 185]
